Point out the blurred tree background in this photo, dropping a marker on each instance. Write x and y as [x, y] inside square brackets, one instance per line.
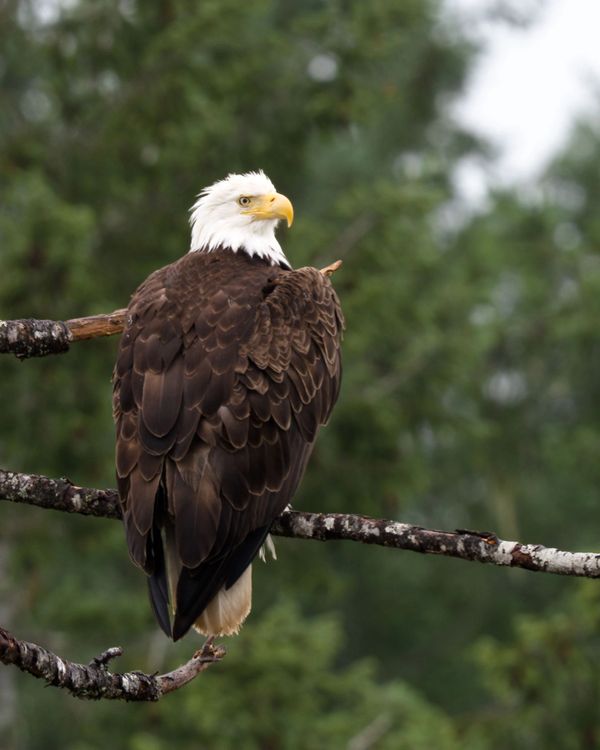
[472, 373]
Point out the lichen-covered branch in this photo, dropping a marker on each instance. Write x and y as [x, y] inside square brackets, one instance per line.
[33, 338]
[38, 338]
[484, 547]
[58, 494]
[477, 546]
[93, 681]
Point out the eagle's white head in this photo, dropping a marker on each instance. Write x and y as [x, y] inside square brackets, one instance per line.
[241, 212]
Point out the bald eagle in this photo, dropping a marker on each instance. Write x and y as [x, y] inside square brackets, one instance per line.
[228, 366]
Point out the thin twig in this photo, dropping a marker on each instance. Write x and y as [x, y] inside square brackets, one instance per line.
[102, 660]
[484, 547]
[94, 681]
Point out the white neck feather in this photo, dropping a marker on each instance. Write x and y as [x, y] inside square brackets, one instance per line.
[256, 238]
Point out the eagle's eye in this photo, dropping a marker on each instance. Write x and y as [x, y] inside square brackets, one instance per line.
[244, 201]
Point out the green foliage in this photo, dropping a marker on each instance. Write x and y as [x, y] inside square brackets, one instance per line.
[280, 687]
[545, 682]
[285, 666]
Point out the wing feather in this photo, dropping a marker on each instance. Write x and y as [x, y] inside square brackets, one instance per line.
[161, 398]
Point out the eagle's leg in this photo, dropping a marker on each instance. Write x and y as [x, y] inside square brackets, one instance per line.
[207, 648]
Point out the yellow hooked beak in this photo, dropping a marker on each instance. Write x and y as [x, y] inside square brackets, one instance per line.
[272, 206]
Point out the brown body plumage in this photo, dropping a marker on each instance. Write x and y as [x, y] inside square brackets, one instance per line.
[227, 368]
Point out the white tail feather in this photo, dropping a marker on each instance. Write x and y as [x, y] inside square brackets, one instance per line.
[227, 611]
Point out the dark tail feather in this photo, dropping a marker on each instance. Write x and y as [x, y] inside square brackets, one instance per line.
[244, 554]
[157, 583]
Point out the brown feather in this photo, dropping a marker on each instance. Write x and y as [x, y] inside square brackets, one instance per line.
[142, 495]
[227, 369]
[161, 398]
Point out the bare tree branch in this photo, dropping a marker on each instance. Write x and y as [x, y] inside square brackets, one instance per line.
[94, 681]
[33, 338]
[58, 494]
[484, 547]
[95, 326]
[38, 338]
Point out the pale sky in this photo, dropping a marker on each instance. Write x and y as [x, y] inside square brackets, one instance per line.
[529, 84]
